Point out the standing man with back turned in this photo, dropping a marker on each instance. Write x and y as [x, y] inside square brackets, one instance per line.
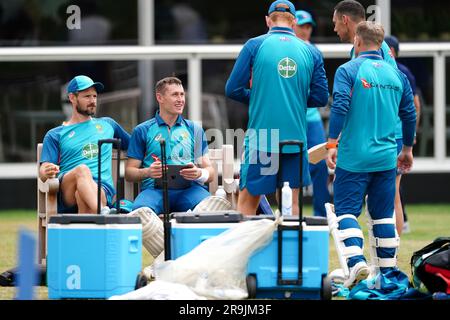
[278, 76]
[347, 15]
[368, 96]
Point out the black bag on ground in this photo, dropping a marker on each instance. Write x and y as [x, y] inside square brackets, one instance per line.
[8, 278]
[430, 267]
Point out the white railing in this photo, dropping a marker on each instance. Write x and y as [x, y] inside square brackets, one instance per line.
[194, 54]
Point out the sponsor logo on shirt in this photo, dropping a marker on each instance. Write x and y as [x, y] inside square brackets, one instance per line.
[366, 84]
[89, 151]
[99, 128]
[183, 135]
[158, 137]
[71, 134]
[369, 85]
[287, 67]
[376, 64]
[285, 39]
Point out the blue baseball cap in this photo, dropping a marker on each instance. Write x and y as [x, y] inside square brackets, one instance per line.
[392, 42]
[278, 6]
[80, 83]
[304, 17]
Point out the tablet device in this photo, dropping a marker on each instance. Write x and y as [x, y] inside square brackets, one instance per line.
[174, 179]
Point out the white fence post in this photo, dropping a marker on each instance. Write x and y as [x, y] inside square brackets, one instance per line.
[440, 132]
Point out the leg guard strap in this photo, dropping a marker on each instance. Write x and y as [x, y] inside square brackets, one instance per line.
[350, 233]
[377, 242]
[385, 262]
[351, 251]
[384, 242]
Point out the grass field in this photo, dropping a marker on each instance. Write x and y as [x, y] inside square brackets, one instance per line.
[427, 222]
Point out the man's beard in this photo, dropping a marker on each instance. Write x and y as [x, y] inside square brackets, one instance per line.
[86, 112]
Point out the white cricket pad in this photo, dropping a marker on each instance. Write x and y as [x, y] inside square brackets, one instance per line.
[376, 242]
[152, 230]
[343, 252]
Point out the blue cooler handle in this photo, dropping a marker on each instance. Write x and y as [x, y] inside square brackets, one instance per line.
[299, 280]
[133, 244]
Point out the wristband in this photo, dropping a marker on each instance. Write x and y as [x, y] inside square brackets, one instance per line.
[204, 177]
[330, 145]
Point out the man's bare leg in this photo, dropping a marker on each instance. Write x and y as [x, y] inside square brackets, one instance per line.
[398, 206]
[82, 206]
[80, 189]
[247, 203]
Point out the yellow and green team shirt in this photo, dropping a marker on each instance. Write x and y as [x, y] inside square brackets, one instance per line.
[71, 145]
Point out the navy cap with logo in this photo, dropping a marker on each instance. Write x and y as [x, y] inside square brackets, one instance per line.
[282, 6]
[392, 42]
[304, 17]
[80, 83]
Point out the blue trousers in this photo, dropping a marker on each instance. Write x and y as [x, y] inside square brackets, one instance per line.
[262, 178]
[350, 189]
[319, 171]
[180, 200]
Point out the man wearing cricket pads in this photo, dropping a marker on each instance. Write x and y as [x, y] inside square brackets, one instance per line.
[368, 96]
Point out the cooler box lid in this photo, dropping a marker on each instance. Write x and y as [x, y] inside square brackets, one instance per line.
[94, 218]
[308, 220]
[208, 217]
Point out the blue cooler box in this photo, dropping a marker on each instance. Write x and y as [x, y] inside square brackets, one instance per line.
[190, 229]
[93, 256]
[262, 268]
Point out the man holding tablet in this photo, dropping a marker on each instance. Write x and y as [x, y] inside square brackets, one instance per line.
[186, 150]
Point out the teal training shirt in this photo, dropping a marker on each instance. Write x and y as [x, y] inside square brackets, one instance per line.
[313, 115]
[370, 94]
[387, 55]
[185, 142]
[287, 76]
[71, 145]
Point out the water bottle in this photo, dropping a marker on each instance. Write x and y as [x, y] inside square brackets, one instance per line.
[221, 192]
[286, 196]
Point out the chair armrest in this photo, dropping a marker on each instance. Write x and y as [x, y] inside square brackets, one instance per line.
[49, 186]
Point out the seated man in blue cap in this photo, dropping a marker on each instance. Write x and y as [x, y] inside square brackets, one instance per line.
[70, 151]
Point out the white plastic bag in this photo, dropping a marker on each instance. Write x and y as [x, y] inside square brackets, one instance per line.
[160, 290]
[217, 268]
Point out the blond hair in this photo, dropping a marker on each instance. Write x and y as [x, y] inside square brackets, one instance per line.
[281, 16]
[370, 33]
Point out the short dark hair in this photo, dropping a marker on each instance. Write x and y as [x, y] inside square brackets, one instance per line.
[161, 84]
[351, 8]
